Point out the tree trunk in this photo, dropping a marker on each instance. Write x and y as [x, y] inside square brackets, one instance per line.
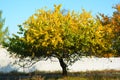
[64, 67]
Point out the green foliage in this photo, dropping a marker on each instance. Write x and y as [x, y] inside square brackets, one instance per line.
[3, 31]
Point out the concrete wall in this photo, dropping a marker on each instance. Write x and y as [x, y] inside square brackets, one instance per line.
[84, 64]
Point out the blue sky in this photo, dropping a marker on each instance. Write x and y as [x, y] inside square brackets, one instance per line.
[17, 11]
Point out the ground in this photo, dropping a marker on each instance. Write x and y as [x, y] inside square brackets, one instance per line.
[89, 75]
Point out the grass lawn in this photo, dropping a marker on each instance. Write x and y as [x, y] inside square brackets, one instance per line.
[89, 75]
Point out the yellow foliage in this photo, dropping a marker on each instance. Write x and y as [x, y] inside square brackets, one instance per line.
[55, 29]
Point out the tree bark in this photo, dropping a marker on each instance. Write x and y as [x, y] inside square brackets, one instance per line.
[64, 67]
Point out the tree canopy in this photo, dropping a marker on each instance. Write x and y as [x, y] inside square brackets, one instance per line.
[63, 35]
[3, 31]
[113, 23]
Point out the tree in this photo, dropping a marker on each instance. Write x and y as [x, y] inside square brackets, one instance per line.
[65, 36]
[3, 31]
[113, 23]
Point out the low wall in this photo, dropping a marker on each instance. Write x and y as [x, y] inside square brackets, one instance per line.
[84, 64]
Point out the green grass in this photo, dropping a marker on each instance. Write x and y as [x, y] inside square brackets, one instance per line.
[89, 75]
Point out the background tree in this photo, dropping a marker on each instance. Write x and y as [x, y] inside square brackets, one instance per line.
[113, 23]
[65, 36]
[3, 31]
